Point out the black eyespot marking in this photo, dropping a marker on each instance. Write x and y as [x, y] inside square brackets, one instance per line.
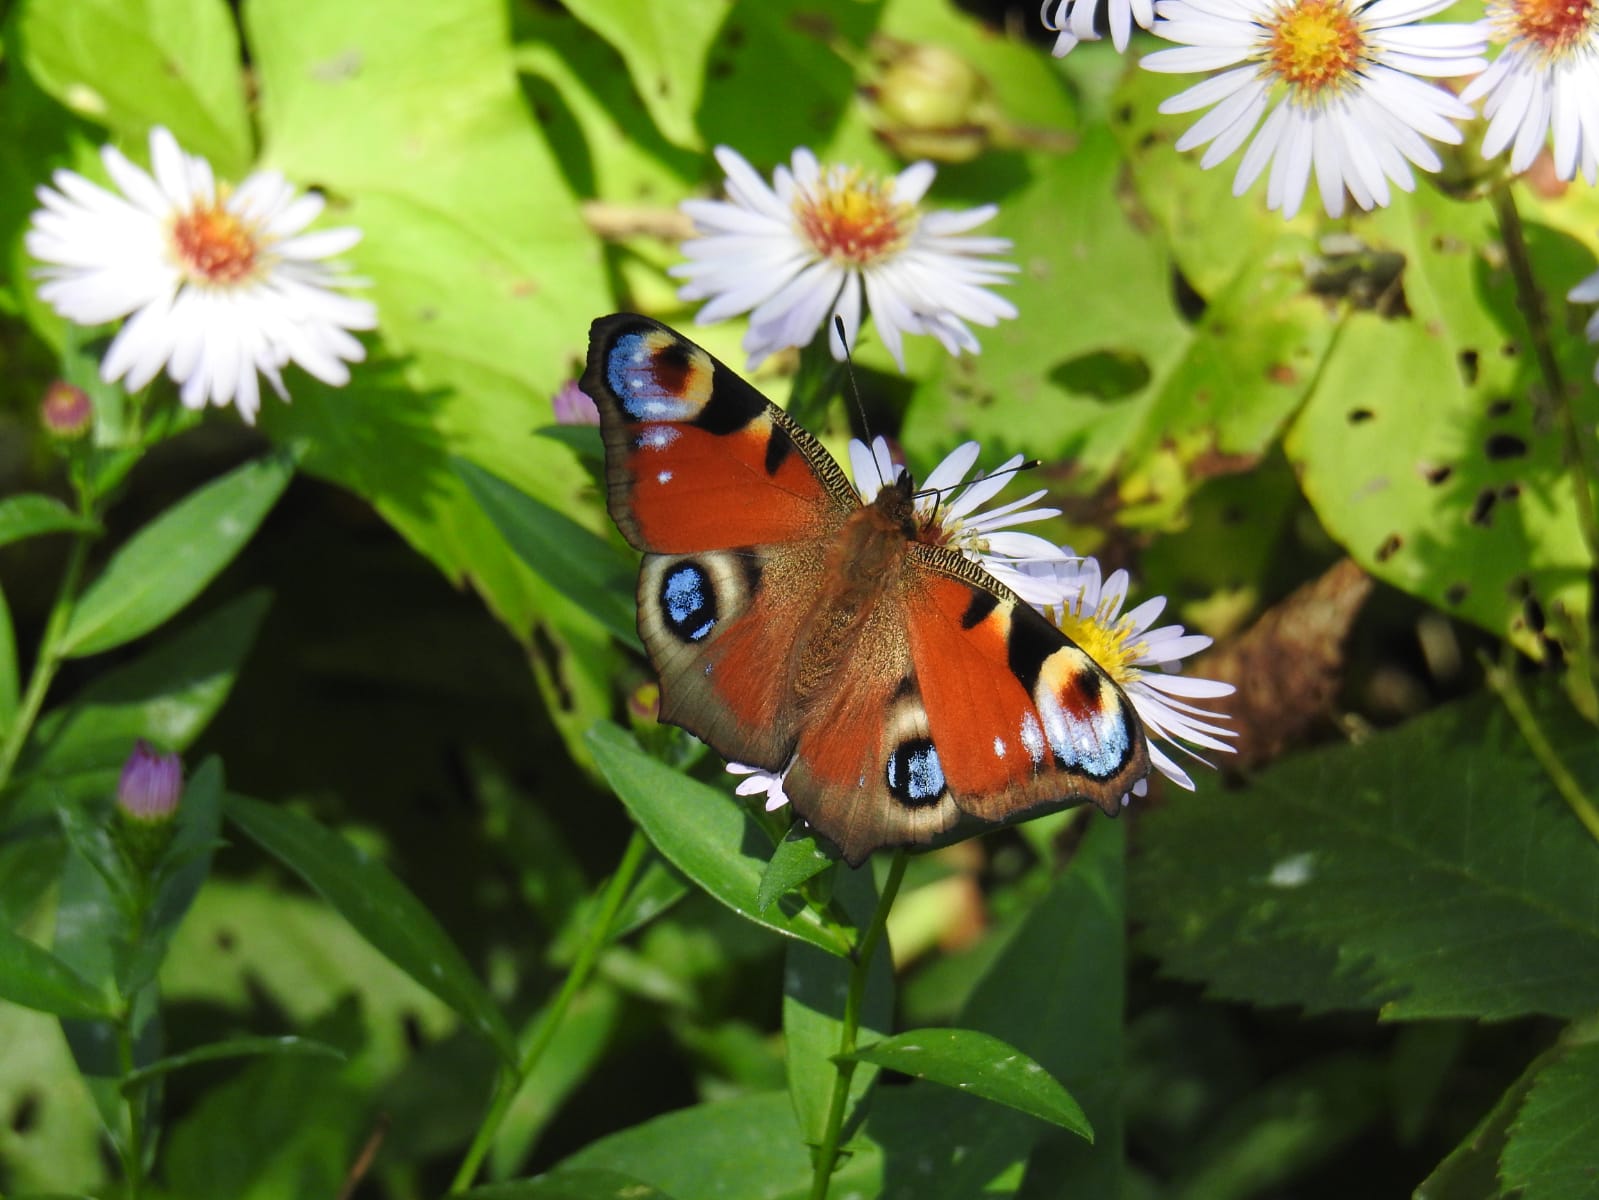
[731, 406]
[915, 776]
[982, 603]
[778, 447]
[688, 602]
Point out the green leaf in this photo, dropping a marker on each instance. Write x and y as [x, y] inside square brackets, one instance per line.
[1471, 1170]
[687, 1153]
[31, 514]
[168, 695]
[665, 51]
[814, 989]
[706, 834]
[1553, 1148]
[378, 905]
[1431, 870]
[1440, 473]
[168, 562]
[586, 568]
[130, 64]
[239, 1047]
[34, 978]
[798, 857]
[570, 1185]
[982, 1065]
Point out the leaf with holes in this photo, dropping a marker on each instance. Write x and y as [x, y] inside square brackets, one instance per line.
[1423, 448]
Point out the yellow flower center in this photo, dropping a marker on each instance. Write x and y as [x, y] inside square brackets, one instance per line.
[1110, 644]
[853, 219]
[1553, 26]
[1315, 45]
[213, 246]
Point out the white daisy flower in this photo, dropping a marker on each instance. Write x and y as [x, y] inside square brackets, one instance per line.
[759, 781]
[220, 282]
[1142, 660]
[946, 513]
[1343, 73]
[1073, 21]
[1587, 292]
[1546, 77]
[804, 250]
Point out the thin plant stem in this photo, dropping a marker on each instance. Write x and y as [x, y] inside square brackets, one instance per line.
[549, 1021]
[133, 1146]
[1577, 451]
[46, 661]
[827, 1153]
[1503, 682]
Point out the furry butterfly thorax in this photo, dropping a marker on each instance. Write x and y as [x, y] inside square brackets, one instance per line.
[907, 695]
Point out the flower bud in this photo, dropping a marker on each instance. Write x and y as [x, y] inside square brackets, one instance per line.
[573, 406]
[66, 412]
[151, 785]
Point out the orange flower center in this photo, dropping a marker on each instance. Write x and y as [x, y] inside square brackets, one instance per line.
[1315, 45]
[214, 246]
[853, 220]
[1553, 26]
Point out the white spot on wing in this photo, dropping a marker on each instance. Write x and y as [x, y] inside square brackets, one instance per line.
[999, 747]
[1033, 739]
[664, 477]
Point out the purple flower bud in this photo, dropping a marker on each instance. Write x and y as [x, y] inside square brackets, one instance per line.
[573, 406]
[66, 411]
[151, 785]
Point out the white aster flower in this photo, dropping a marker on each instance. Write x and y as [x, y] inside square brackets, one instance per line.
[1344, 74]
[946, 514]
[759, 781]
[217, 283]
[1073, 21]
[797, 253]
[1587, 292]
[1546, 77]
[1142, 660]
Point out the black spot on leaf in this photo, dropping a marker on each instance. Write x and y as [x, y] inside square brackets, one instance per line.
[1504, 445]
[1482, 508]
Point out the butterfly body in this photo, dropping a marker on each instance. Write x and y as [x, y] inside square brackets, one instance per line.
[905, 691]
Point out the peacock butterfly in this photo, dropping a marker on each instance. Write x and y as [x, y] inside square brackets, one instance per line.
[908, 693]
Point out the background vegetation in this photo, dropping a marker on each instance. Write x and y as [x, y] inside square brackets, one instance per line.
[1364, 963]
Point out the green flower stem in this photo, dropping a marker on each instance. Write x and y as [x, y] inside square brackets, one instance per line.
[1503, 682]
[1578, 450]
[48, 659]
[133, 1144]
[827, 1153]
[549, 1021]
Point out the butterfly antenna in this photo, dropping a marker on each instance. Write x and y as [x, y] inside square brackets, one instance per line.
[855, 394]
[1030, 464]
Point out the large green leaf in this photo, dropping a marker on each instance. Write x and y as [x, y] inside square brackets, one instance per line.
[665, 50]
[1425, 449]
[168, 562]
[707, 835]
[61, 1147]
[1553, 1148]
[1431, 870]
[130, 64]
[168, 695]
[378, 905]
[982, 1065]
